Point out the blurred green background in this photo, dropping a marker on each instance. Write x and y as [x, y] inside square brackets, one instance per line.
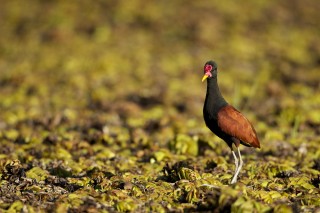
[110, 50]
[127, 75]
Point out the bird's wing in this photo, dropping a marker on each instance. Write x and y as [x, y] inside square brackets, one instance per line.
[232, 122]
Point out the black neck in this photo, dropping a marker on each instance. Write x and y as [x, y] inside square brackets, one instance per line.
[214, 100]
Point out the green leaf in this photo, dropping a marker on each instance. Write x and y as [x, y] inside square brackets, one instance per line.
[37, 173]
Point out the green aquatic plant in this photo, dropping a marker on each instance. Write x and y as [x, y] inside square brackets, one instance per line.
[101, 106]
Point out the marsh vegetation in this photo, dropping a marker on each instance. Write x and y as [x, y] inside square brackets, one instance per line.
[101, 105]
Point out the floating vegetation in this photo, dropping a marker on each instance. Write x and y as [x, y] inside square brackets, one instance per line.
[101, 106]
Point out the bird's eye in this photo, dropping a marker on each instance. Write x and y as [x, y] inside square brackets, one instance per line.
[207, 68]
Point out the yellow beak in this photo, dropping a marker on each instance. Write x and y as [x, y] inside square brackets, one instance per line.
[204, 77]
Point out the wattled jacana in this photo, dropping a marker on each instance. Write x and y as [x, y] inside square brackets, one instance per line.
[224, 120]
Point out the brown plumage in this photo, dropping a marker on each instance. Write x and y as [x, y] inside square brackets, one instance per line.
[232, 122]
[224, 120]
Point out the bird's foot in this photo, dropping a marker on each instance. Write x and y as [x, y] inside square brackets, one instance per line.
[234, 180]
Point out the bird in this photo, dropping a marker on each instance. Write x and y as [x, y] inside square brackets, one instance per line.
[226, 121]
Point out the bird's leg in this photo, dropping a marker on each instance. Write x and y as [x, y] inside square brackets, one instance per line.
[234, 179]
[236, 162]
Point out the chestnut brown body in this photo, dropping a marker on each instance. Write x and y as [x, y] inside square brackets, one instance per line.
[234, 124]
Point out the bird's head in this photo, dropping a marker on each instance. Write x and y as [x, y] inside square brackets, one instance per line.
[210, 70]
